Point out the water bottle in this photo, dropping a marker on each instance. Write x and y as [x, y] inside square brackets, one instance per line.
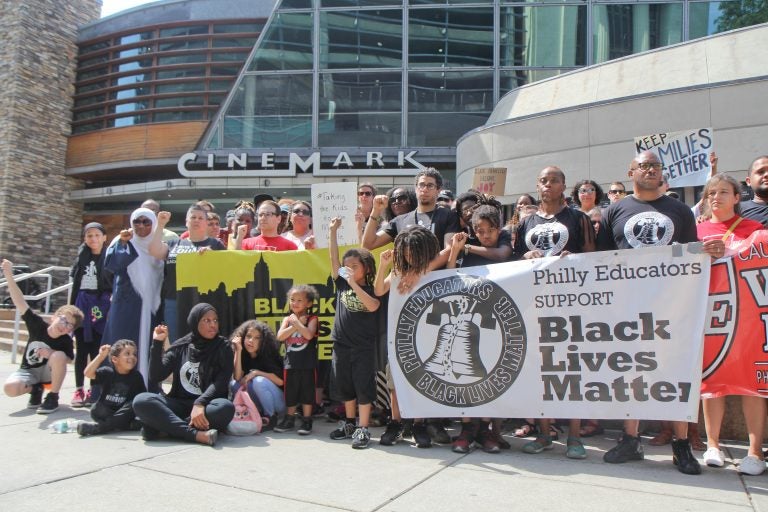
[64, 426]
[343, 272]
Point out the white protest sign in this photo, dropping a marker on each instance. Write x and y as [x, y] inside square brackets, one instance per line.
[685, 155]
[614, 334]
[331, 200]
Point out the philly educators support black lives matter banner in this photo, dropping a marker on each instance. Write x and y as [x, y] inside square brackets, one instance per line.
[614, 335]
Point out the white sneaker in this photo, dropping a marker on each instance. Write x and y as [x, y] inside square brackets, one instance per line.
[751, 465]
[713, 457]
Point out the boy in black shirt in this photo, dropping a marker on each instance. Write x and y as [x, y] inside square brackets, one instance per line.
[48, 351]
[120, 383]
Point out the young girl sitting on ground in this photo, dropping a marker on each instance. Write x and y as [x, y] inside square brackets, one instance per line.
[354, 338]
[120, 383]
[258, 366]
[299, 332]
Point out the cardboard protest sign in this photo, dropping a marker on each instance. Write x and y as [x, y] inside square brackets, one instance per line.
[331, 200]
[685, 155]
[490, 180]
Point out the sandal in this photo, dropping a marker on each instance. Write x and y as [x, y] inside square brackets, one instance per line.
[555, 431]
[591, 429]
[526, 429]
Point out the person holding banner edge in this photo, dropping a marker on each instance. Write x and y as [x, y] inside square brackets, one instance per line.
[617, 232]
[555, 230]
[721, 195]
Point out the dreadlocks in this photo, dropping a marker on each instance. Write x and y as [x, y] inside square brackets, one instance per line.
[415, 247]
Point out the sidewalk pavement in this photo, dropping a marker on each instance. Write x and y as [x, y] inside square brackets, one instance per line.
[46, 471]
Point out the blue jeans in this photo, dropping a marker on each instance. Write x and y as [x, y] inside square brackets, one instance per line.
[265, 394]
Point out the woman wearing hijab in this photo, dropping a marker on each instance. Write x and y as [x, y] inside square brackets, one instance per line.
[136, 286]
[201, 362]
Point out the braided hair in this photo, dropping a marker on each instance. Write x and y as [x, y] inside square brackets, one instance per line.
[415, 247]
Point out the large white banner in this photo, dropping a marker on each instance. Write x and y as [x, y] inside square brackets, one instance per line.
[615, 335]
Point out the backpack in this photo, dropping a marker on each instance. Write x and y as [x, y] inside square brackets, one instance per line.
[247, 419]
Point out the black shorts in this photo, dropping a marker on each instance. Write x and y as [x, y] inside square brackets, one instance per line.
[299, 387]
[354, 375]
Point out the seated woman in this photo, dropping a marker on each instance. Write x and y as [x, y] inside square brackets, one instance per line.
[259, 366]
[201, 362]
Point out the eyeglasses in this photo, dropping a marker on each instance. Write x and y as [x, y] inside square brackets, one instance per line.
[66, 323]
[142, 221]
[402, 198]
[586, 190]
[428, 186]
[647, 166]
[261, 215]
[365, 193]
[616, 191]
[301, 212]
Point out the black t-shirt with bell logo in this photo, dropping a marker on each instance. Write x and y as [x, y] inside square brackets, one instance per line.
[39, 338]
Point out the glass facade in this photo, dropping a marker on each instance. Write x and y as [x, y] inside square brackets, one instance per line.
[167, 73]
[421, 73]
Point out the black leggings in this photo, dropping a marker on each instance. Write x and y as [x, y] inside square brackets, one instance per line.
[110, 420]
[171, 415]
[83, 350]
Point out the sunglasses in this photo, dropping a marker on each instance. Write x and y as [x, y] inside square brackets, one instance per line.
[614, 191]
[365, 193]
[301, 212]
[586, 190]
[142, 221]
[402, 198]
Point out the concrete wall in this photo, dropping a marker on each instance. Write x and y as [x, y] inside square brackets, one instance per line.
[38, 226]
[585, 121]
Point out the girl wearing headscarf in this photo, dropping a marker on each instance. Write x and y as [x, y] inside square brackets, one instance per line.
[196, 408]
[136, 286]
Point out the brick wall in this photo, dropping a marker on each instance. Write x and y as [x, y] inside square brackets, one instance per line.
[38, 226]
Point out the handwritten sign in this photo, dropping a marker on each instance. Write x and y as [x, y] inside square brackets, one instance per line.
[685, 155]
[331, 200]
[490, 180]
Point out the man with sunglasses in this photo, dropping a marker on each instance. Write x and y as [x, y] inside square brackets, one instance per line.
[616, 192]
[268, 218]
[48, 350]
[648, 218]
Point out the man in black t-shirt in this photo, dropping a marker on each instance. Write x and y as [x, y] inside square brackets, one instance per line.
[757, 207]
[440, 221]
[48, 351]
[646, 219]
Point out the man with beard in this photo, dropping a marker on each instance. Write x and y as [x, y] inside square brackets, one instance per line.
[757, 207]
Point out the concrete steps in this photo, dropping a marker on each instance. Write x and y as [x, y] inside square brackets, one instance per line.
[6, 331]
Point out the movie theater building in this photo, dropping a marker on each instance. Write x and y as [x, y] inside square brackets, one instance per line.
[186, 99]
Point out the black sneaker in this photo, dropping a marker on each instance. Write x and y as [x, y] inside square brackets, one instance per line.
[50, 404]
[35, 396]
[438, 433]
[306, 427]
[135, 425]
[629, 448]
[286, 424]
[344, 431]
[392, 434]
[360, 438]
[683, 458]
[87, 428]
[270, 424]
[420, 436]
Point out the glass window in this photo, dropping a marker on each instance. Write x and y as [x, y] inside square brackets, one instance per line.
[181, 73]
[134, 38]
[220, 85]
[132, 79]
[451, 37]
[361, 39]
[186, 44]
[229, 56]
[182, 59]
[358, 3]
[130, 93]
[270, 111]
[295, 4]
[161, 117]
[128, 120]
[238, 27]
[93, 47]
[128, 107]
[360, 109]
[88, 114]
[550, 35]
[91, 87]
[83, 128]
[234, 42]
[445, 105]
[180, 87]
[445, 2]
[624, 29]
[224, 70]
[512, 79]
[85, 75]
[133, 65]
[180, 101]
[90, 100]
[95, 60]
[286, 45]
[133, 52]
[184, 31]
[707, 18]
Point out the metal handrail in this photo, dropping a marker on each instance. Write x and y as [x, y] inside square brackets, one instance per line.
[42, 295]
